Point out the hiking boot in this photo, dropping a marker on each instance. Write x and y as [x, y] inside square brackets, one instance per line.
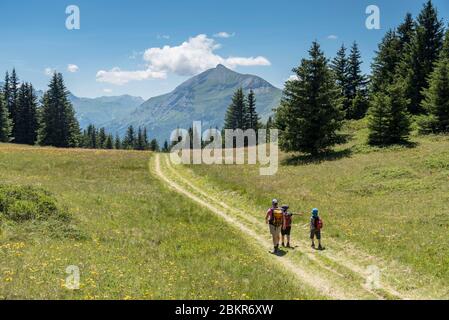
[321, 248]
[313, 246]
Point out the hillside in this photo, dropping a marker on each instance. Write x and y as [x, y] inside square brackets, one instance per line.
[126, 238]
[382, 207]
[204, 97]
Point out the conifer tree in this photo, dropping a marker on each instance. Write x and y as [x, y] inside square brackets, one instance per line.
[356, 86]
[117, 142]
[59, 126]
[130, 139]
[26, 116]
[385, 62]
[421, 56]
[102, 137]
[340, 68]
[5, 121]
[309, 115]
[154, 145]
[236, 113]
[109, 144]
[252, 116]
[389, 121]
[436, 99]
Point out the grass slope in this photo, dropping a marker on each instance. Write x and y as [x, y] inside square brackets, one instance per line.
[391, 203]
[140, 240]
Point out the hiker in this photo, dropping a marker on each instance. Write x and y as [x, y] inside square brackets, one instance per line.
[316, 224]
[287, 226]
[275, 218]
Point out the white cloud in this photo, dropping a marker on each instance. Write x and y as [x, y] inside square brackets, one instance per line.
[332, 37]
[224, 34]
[193, 56]
[73, 68]
[49, 71]
[119, 77]
[107, 90]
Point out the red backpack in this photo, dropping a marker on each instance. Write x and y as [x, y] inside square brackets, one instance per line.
[319, 223]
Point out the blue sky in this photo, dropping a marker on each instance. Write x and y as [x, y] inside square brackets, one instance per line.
[118, 49]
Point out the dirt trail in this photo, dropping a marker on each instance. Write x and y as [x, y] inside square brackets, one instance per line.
[314, 279]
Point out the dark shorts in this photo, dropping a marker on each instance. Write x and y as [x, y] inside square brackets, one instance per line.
[287, 231]
[315, 233]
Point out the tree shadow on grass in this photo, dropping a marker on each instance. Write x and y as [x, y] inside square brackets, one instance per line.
[316, 159]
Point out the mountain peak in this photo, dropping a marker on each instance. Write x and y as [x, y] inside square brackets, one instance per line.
[220, 66]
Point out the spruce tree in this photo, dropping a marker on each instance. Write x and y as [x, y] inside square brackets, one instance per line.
[59, 126]
[389, 121]
[117, 142]
[5, 121]
[385, 62]
[340, 68]
[165, 148]
[406, 31]
[102, 137]
[109, 144]
[436, 99]
[13, 101]
[421, 55]
[356, 86]
[236, 113]
[154, 145]
[140, 142]
[309, 115]
[129, 141]
[145, 139]
[26, 116]
[252, 116]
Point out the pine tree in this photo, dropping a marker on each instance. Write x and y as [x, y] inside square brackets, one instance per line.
[140, 141]
[117, 142]
[130, 139]
[389, 121]
[13, 100]
[236, 113]
[154, 145]
[109, 144]
[26, 116]
[145, 139]
[165, 148]
[5, 121]
[252, 116]
[59, 126]
[309, 115]
[406, 31]
[436, 99]
[422, 54]
[356, 86]
[92, 137]
[102, 137]
[385, 62]
[340, 68]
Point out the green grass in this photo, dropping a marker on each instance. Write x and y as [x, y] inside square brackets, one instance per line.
[391, 203]
[131, 237]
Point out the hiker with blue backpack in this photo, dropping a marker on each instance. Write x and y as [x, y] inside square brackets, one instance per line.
[316, 224]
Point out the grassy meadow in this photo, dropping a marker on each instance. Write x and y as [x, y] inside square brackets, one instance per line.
[130, 236]
[391, 203]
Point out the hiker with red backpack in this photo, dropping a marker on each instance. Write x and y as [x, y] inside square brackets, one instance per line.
[275, 219]
[287, 226]
[316, 224]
